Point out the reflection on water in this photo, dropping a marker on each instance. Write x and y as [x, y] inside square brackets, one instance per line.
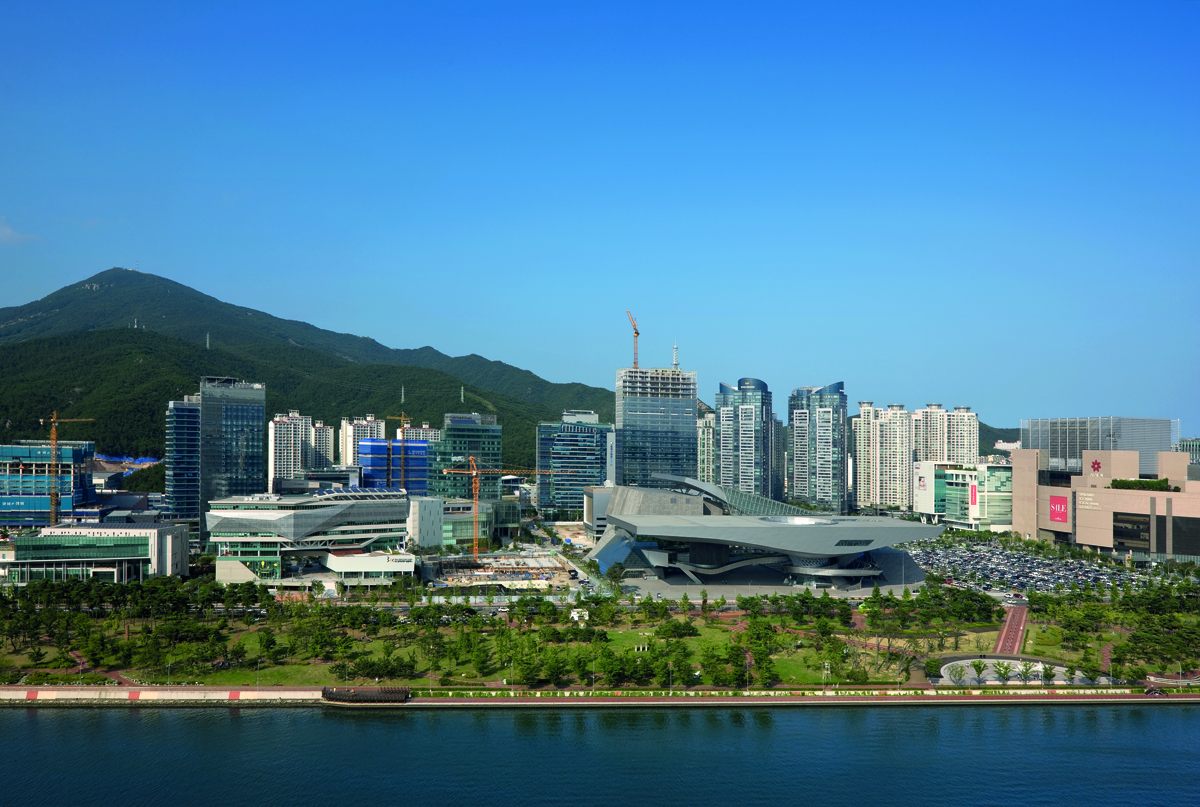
[581, 757]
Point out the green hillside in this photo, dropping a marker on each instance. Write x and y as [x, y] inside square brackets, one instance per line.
[123, 378]
[114, 299]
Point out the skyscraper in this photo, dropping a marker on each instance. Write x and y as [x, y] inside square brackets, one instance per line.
[962, 436]
[706, 431]
[295, 442]
[232, 425]
[182, 496]
[578, 445]
[817, 446]
[883, 456]
[656, 424]
[465, 436]
[745, 438]
[215, 446]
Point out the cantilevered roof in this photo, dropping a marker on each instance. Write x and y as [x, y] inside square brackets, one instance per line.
[802, 536]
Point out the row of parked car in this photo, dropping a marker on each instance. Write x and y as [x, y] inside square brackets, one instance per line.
[987, 568]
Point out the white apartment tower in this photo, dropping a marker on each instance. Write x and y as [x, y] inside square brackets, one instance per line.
[294, 442]
[930, 427]
[323, 446]
[883, 456]
[706, 430]
[891, 457]
[352, 432]
[962, 436]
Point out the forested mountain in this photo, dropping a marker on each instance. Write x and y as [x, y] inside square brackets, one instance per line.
[117, 297]
[124, 378]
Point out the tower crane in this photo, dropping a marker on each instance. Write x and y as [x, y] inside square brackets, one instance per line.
[633, 322]
[474, 471]
[404, 424]
[54, 496]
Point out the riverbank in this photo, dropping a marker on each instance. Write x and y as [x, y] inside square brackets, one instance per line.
[130, 697]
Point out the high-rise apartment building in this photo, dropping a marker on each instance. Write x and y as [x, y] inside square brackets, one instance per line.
[182, 459]
[883, 456]
[324, 446]
[352, 431]
[656, 424]
[215, 445]
[745, 437]
[817, 446]
[943, 436]
[465, 436]
[706, 435]
[576, 452]
[931, 427]
[892, 462]
[962, 436]
[295, 442]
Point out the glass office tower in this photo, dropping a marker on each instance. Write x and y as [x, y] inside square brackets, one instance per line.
[656, 424]
[463, 437]
[183, 459]
[578, 447]
[818, 446]
[233, 416]
[1065, 439]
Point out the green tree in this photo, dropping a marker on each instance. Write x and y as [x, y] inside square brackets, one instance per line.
[979, 666]
[957, 671]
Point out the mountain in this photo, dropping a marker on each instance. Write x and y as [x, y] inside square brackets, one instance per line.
[124, 378]
[118, 297]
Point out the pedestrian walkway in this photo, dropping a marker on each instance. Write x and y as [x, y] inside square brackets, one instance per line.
[1012, 632]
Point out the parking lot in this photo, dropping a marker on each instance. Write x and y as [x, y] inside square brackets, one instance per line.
[999, 571]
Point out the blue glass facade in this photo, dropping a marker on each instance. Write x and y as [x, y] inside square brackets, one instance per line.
[233, 417]
[656, 425]
[26, 481]
[578, 448]
[182, 495]
[395, 463]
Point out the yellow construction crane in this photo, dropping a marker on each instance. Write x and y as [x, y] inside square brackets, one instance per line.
[474, 471]
[633, 322]
[54, 496]
[404, 424]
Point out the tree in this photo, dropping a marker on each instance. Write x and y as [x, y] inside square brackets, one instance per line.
[979, 666]
[956, 672]
[1026, 671]
[933, 667]
[340, 587]
[1047, 674]
[614, 575]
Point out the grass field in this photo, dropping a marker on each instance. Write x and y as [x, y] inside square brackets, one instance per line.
[795, 666]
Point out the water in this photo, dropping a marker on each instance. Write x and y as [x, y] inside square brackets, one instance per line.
[1022, 755]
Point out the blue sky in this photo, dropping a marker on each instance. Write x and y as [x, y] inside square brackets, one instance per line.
[989, 204]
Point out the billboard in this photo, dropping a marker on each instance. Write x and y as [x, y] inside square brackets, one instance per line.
[1058, 508]
[973, 501]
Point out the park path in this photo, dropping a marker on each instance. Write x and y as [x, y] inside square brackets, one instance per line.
[1012, 631]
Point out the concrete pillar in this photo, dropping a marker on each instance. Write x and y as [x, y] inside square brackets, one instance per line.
[1170, 533]
[1153, 525]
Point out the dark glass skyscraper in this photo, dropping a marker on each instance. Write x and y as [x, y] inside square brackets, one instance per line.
[656, 424]
[575, 452]
[817, 442]
[183, 459]
[219, 434]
